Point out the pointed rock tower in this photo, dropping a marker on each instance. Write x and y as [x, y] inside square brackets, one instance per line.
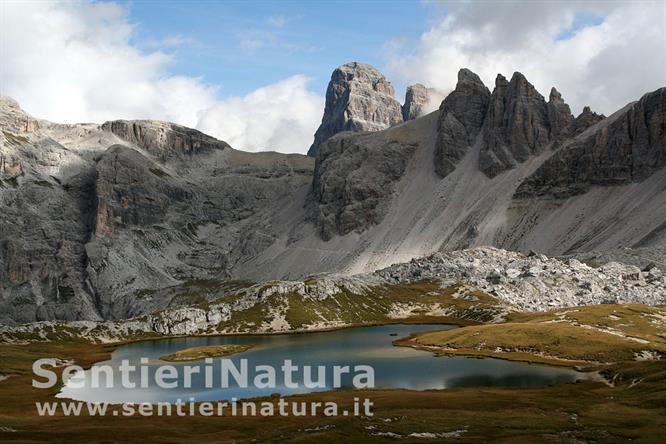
[461, 116]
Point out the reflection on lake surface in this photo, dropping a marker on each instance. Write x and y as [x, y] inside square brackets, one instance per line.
[394, 367]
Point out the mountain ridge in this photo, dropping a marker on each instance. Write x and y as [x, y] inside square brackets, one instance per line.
[116, 220]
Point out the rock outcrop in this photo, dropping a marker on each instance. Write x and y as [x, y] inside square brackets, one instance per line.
[559, 116]
[416, 99]
[358, 98]
[585, 120]
[517, 125]
[461, 116]
[164, 224]
[46, 202]
[131, 191]
[164, 139]
[354, 179]
[628, 149]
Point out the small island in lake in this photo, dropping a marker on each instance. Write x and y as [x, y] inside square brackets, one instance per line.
[209, 351]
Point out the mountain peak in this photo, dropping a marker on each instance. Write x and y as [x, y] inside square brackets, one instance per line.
[501, 81]
[13, 117]
[358, 98]
[555, 95]
[517, 125]
[518, 77]
[466, 76]
[417, 97]
[460, 120]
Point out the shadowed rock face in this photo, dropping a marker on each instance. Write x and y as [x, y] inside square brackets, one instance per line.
[517, 125]
[461, 116]
[164, 225]
[585, 120]
[358, 98]
[46, 212]
[132, 191]
[416, 99]
[628, 149]
[354, 179]
[559, 116]
[515, 120]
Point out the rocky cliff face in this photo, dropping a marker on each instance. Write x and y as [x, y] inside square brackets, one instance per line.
[358, 98]
[559, 116]
[125, 218]
[515, 121]
[628, 149]
[461, 117]
[585, 120]
[164, 140]
[517, 125]
[416, 99]
[98, 221]
[46, 201]
[172, 224]
[354, 179]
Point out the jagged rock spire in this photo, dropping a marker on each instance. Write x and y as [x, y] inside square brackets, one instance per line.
[585, 120]
[416, 99]
[460, 119]
[559, 115]
[517, 125]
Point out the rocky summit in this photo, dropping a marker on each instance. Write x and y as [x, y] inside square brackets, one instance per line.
[461, 117]
[417, 98]
[358, 98]
[124, 218]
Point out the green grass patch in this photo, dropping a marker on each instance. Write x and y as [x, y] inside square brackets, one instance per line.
[210, 351]
[598, 333]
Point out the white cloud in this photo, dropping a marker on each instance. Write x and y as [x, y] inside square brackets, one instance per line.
[70, 62]
[278, 117]
[73, 61]
[605, 65]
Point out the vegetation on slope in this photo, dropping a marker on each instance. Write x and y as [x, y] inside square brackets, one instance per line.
[209, 351]
[596, 333]
[425, 301]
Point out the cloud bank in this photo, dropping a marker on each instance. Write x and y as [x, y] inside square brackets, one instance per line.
[74, 62]
[603, 54]
[284, 114]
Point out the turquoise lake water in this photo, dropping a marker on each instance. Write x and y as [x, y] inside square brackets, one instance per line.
[394, 367]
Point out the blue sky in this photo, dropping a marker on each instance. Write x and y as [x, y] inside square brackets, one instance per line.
[254, 73]
[241, 45]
